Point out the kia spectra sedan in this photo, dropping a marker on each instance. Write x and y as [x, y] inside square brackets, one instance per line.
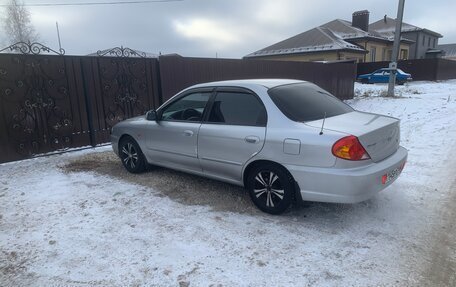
[283, 140]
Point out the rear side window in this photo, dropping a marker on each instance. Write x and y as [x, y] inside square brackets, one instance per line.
[234, 108]
[305, 102]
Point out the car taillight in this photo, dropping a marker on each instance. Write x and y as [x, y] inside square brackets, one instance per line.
[349, 148]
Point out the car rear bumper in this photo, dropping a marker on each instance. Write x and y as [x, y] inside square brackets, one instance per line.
[349, 185]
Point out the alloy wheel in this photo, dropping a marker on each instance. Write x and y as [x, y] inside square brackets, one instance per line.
[268, 188]
[130, 155]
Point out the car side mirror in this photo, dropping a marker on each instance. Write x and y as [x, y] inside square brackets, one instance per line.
[151, 115]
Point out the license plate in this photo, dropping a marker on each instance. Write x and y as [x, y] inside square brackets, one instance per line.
[392, 175]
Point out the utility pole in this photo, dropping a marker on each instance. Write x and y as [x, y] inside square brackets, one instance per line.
[396, 45]
[58, 36]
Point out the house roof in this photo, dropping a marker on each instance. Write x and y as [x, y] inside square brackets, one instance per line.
[314, 40]
[387, 26]
[332, 36]
[449, 50]
[345, 30]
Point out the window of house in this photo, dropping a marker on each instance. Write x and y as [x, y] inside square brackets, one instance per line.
[389, 55]
[384, 54]
[433, 44]
[373, 52]
[404, 54]
[424, 39]
[429, 42]
[233, 108]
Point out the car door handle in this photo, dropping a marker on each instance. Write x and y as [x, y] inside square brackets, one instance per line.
[188, 133]
[252, 139]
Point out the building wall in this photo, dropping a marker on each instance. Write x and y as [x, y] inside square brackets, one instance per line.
[383, 51]
[423, 42]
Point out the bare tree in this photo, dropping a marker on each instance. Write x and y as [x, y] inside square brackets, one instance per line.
[17, 23]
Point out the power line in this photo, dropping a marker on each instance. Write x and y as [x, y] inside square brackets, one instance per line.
[94, 3]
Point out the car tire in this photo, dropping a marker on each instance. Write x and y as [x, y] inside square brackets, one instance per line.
[131, 155]
[271, 188]
[364, 81]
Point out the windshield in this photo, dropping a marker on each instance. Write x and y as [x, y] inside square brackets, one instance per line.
[303, 102]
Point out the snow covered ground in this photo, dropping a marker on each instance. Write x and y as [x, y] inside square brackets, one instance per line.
[78, 219]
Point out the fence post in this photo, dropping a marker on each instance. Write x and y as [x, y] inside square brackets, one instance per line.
[88, 106]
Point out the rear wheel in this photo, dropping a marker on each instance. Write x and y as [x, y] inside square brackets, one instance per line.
[271, 188]
[131, 155]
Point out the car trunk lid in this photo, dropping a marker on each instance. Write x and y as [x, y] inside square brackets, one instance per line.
[379, 135]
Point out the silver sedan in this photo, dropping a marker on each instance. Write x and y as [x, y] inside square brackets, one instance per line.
[283, 140]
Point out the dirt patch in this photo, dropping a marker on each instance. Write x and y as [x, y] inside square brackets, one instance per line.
[181, 187]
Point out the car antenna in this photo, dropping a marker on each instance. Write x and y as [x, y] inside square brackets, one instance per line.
[323, 124]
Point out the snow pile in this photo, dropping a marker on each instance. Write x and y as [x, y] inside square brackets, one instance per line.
[91, 229]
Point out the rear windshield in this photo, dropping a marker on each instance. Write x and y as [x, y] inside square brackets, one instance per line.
[303, 102]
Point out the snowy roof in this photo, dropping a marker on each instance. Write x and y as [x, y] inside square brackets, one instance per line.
[386, 27]
[449, 50]
[345, 30]
[334, 35]
[314, 40]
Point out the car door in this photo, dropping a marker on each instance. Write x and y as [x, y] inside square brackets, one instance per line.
[376, 77]
[172, 139]
[385, 78]
[234, 131]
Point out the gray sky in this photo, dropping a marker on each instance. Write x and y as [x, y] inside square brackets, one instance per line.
[202, 28]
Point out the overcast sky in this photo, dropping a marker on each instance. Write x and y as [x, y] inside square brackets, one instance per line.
[202, 28]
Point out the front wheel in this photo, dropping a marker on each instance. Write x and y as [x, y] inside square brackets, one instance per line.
[271, 188]
[131, 155]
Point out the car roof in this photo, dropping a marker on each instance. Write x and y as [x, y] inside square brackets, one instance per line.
[268, 83]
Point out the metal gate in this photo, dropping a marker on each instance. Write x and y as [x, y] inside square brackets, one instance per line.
[55, 102]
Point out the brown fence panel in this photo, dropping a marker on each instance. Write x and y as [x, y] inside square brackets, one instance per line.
[40, 106]
[177, 73]
[420, 69]
[446, 69]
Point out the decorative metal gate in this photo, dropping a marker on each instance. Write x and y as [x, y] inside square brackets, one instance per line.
[55, 102]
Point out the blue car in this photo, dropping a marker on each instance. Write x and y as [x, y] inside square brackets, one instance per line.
[382, 76]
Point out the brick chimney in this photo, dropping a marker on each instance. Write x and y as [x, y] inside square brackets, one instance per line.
[360, 19]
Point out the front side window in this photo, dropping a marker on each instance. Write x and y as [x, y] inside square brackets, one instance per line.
[190, 108]
[237, 108]
[305, 102]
